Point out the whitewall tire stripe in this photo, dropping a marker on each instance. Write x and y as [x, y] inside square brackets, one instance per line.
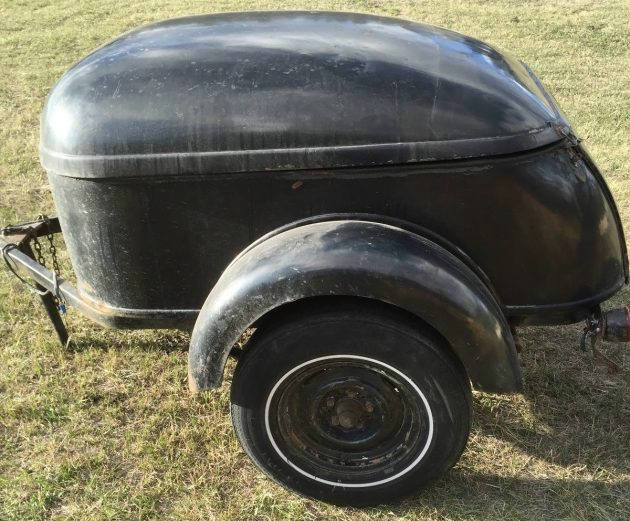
[340, 483]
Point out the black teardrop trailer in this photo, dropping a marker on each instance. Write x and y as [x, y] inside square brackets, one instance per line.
[383, 201]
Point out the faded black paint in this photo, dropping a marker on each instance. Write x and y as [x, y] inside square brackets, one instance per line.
[356, 258]
[257, 91]
[540, 227]
[173, 148]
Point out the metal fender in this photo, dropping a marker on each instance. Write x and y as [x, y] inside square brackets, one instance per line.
[361, 259]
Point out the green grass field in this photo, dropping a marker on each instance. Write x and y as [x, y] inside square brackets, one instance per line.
[108, 430]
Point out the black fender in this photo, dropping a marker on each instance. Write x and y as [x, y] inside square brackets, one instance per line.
[361, 259]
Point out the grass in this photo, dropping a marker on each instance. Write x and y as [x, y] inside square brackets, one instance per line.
[107, 430]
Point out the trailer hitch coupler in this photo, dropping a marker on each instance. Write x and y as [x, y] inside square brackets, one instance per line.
[615, 325]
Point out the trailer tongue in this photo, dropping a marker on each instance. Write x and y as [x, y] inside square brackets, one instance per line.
[24, 256]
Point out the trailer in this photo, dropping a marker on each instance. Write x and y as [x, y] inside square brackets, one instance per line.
[380, 201]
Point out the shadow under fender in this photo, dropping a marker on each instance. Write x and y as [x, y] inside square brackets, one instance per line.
[360, 259]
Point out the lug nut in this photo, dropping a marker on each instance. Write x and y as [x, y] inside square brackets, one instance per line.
[330, 402]
[369, 406]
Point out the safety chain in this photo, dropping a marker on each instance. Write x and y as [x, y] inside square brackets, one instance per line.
[56, 294]
[38, 252]
[53, 254]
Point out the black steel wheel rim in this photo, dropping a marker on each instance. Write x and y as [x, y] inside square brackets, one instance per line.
[348, 420]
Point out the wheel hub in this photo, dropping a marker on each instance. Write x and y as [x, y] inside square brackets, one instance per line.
[349, 413]
[348, 418]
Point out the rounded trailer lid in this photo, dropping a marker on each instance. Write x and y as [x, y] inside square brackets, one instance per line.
[260, 91]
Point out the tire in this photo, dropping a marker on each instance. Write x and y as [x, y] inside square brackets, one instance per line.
[353, 405]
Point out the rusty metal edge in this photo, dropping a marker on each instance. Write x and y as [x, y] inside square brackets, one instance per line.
[103, 314]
